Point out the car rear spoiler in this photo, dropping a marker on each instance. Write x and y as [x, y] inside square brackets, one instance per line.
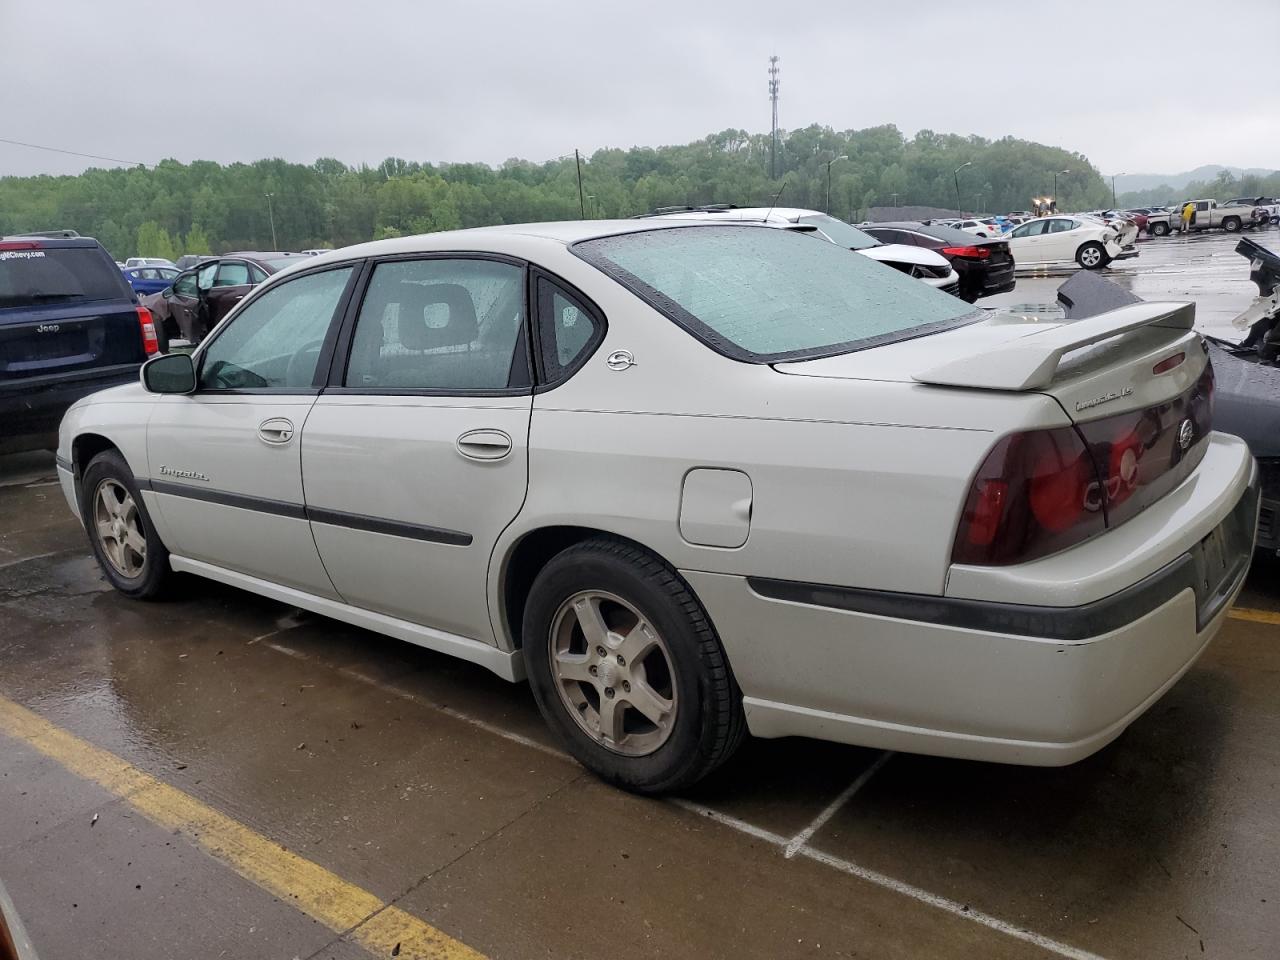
[1030, 362]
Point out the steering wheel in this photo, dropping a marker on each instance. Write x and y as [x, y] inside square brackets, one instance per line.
[294, 371]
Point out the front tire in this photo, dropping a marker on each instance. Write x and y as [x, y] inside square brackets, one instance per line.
[1159, 230]
[1092, 256]
[121, 534]
[627, 668]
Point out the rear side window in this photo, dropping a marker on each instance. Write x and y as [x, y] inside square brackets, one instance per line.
[58, 275]
[232, 274]
[567, 330]
[442, 325]
[761, 294]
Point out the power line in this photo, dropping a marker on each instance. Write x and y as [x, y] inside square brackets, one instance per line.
[73, 153]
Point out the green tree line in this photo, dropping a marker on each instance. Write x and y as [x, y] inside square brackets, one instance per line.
[205, 207]
[1225, 186]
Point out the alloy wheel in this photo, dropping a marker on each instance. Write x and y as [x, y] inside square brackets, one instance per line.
[118, 525]
[614, 673]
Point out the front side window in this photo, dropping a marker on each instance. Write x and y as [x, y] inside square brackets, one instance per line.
[274, 342]
[185, 285]
[448, 325]
[1032, 229]
[762, 295]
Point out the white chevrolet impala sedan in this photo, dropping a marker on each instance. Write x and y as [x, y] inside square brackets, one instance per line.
[694, 480]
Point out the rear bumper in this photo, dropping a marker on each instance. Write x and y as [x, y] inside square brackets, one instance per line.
[30, 411]
[979, 680]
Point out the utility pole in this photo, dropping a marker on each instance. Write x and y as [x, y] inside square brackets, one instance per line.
[827, 208]
[956, 174]
[582, 204]
[1056, 174]
[1113, 189]
[774, 70]
[272, 217]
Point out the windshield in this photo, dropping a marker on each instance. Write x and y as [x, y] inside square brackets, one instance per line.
[840, 232]
[763, 295]
[55, 274]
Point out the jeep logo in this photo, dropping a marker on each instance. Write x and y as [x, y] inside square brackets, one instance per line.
[48, 328]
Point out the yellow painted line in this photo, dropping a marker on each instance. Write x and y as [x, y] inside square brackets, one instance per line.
[311, 888]
[1256, 616]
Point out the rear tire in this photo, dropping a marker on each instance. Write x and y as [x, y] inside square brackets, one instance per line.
[606, 622]
[1231, 224]
[121, 534]
[1092, 256]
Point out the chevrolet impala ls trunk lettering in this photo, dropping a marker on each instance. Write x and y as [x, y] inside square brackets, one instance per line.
[693, 480]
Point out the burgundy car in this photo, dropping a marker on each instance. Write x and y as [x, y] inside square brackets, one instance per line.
[203, 295]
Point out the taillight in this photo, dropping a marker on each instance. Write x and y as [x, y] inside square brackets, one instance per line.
[1168, 363]
[19, 245]
[969, 253]
[1040, 492]
[147, 325]
[1035, 493]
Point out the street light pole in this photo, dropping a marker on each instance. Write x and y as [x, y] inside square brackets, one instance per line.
[1056, 174]
[272, 217]
[827, 208]
[582, 204]
[956, 174]
[1113, 189]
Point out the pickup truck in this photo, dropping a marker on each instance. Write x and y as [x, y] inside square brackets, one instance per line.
[1212, 216]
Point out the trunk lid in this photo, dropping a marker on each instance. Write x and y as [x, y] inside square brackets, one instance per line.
[1094, 367]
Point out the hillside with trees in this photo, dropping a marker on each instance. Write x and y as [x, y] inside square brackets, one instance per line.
[204, 207]
[1224, 186]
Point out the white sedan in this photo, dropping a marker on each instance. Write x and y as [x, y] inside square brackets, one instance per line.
[1053, 240]
[693, 480]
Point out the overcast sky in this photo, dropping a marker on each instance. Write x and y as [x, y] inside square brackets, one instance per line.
[1136, 85]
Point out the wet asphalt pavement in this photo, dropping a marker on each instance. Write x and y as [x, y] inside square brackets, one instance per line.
[222, 776]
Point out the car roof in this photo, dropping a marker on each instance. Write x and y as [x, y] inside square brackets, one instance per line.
[563, 232]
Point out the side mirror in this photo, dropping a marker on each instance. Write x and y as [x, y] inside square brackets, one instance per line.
[167, 292]
[170, 373]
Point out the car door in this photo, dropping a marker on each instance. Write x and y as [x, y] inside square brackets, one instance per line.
[224, 461]
[231, 283]
[415, 456]
[1026, 241]
[182, 299]
[1205, 216]
[1059, 240]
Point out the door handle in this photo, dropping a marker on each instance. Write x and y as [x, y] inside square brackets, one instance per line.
[275, 430]
[484, 444]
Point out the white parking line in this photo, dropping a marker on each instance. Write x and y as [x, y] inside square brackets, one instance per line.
[781, 843]
[14, 563]
[801, 839]
[961, 910]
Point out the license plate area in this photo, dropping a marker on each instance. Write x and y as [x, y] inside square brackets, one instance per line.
[1222, 557]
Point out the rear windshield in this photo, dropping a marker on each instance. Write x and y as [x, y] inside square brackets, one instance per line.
[58, 274]
[762, 295]
[840, 232]
[282, 262]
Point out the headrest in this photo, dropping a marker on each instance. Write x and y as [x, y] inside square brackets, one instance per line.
[460, 326]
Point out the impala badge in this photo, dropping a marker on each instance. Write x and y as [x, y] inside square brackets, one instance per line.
[1186, 433]
[184, 474]
[1105, 398]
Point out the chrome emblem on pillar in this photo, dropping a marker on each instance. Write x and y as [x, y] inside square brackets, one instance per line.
[620, 360]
